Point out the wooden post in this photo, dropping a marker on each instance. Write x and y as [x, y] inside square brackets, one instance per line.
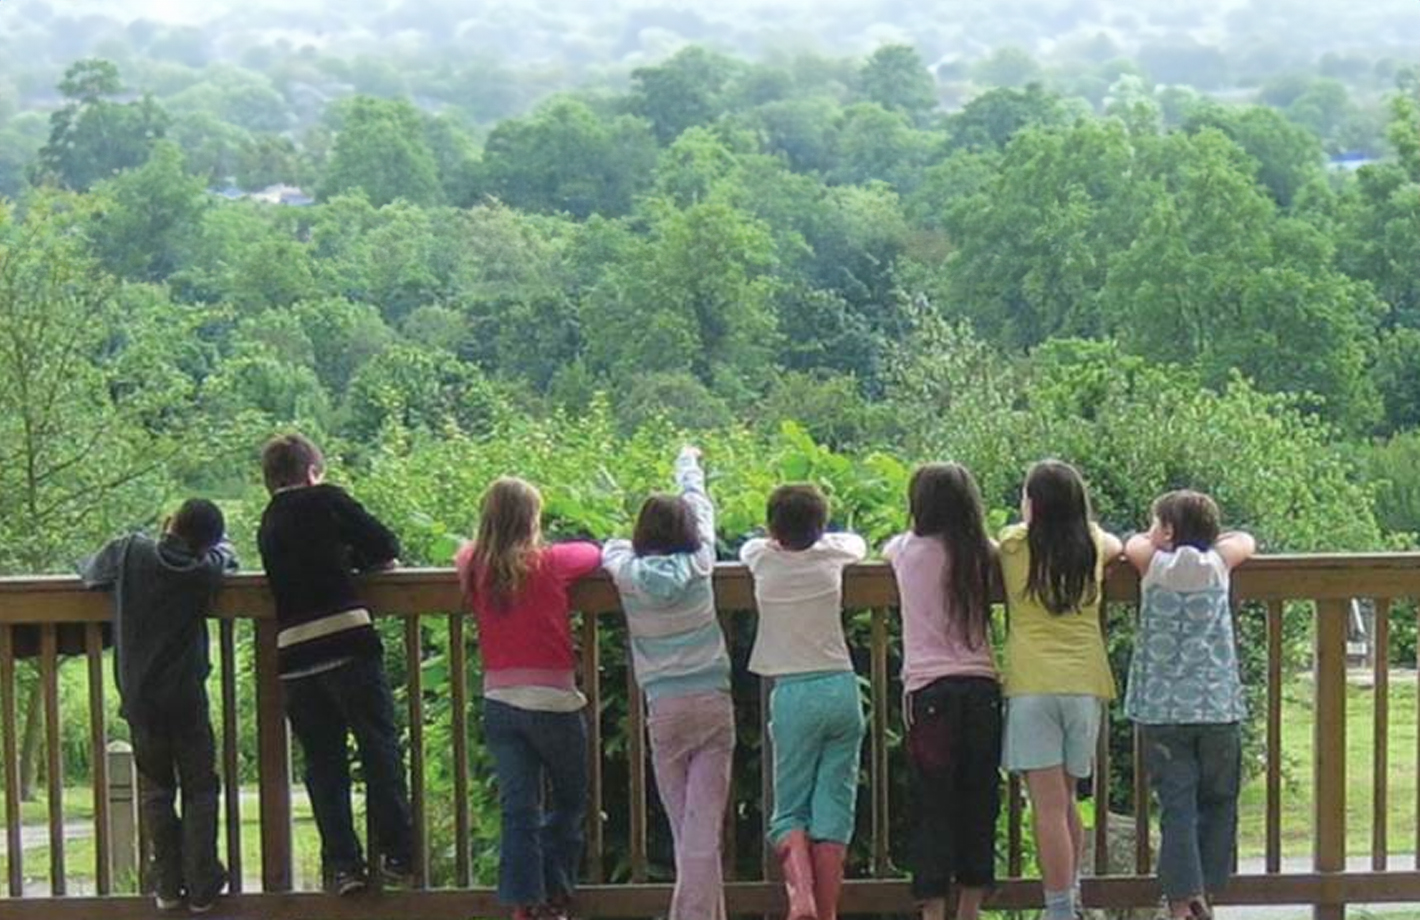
[273, 764]
[122, 813]
[1329, 748]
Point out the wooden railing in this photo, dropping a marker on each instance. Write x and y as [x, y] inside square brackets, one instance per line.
[1320, 587]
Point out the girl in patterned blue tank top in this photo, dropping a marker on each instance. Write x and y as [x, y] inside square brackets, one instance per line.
[1186, 694]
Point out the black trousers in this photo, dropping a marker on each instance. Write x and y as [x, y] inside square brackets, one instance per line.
[176, 753]
[954, 783]
[325, 709]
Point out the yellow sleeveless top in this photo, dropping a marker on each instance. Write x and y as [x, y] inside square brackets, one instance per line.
[1046, 653]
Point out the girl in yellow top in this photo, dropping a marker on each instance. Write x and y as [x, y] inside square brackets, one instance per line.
[1057, 675]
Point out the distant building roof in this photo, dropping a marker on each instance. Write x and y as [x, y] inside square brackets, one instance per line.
[288, 195]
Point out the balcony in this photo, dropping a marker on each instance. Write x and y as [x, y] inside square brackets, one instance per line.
[1279, 591]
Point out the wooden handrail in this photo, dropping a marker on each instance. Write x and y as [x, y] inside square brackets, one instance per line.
[410, 592]
[1327, 583]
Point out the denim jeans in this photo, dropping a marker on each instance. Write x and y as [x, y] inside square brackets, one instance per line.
[693, 749]
[533, 751]
[1195, 771]
[325, 709]
[178, 752]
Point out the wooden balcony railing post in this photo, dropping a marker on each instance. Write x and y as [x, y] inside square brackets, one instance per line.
[124, 852]
[273, 764]
[9, 733]
[1329, 748]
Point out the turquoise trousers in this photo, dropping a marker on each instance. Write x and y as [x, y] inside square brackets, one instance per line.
[816, 723]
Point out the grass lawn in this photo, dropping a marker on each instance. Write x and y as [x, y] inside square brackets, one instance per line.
[79, 854]
[1297, 775]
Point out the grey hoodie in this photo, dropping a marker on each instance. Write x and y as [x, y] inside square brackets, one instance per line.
[162, 593]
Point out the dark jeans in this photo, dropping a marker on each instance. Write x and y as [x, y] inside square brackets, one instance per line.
[325, 709]
[954, 783]
[1196, 772]
[176, 751]
[533, 751]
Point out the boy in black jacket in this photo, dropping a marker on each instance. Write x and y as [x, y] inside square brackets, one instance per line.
[313, 538]
[163, 590]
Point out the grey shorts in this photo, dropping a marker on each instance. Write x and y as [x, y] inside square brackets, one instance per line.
[1052, 730]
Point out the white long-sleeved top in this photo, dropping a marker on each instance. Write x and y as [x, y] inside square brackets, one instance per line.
[799, 594]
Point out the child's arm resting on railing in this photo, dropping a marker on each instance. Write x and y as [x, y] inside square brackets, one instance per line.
[1140, 551]
[101, 569]
[1236, 547]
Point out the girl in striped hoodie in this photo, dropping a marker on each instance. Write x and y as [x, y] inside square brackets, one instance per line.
[664, 575]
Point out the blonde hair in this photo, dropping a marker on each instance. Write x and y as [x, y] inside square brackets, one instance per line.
[508, 541]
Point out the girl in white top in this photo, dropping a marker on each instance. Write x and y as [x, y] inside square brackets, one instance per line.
[816, 716]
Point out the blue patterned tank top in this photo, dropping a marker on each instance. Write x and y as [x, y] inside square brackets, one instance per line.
[1185, 666]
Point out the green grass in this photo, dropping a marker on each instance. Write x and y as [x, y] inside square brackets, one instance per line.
[79, 855]
[1297, 775]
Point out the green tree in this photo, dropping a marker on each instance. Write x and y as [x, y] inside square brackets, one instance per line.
[93, 137]
[381, 149]
[412, 388]
[989, 121]
[565, 158]
[150, 217]
[895, 78]
[684, 91]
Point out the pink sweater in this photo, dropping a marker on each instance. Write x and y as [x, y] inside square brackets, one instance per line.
[528, 641]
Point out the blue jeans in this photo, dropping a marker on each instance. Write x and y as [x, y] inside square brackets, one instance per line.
[1196, 773]
[816, 721]
[325, 709]
[539, 852]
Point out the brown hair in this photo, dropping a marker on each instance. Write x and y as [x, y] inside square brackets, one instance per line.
[287, 460]
[199, 524]
[509, 537]
[665, 526]
[1063, 555]
[1192, 516]
[945, 503]
[797, 515]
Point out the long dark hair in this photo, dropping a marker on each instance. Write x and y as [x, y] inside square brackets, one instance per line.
[1063, 555]
[945, 503]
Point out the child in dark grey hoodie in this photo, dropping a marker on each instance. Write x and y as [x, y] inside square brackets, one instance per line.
[162, 592]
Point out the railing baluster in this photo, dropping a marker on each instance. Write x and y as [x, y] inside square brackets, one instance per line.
[729, 842]
[1101, 797]
[414, 689]
[1380, 751]
[231, 771]
[9, 731]
[1014, 812]
[458, 675]
[98, 756]
[1329, 748]
[591, 686]
[1141, 805]
[273, 764]
[54, 759]
[1275, 610]
[636, 767]
[879, 773]
[769, 865]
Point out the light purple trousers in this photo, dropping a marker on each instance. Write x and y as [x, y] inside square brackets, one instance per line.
[692, 747]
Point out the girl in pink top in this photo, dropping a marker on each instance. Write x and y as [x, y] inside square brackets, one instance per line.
[533, 719]
[945, 566]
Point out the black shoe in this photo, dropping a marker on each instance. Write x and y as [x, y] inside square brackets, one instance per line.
[202, 901]
[348, 881]
[397, 873]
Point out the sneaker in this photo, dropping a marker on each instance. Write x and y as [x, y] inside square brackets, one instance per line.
[526, 913]
[397, 873]
[348, 881]
[168, 901]
[204, 900]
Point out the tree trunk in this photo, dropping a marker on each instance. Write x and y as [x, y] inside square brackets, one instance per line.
[29, 750]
